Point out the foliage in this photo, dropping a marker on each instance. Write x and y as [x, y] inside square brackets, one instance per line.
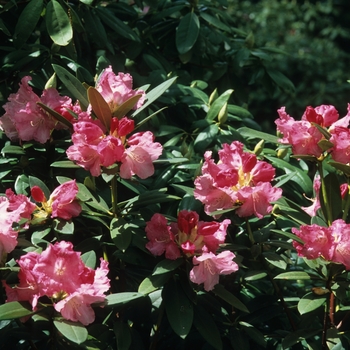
[195, 66]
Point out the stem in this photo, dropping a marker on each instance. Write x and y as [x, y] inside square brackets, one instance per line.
[324, 194]
[250, 233]
[347, 204]
[114, 196]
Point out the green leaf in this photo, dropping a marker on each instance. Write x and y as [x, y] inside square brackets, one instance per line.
[310, 302]
[253, 333]
[89, 259]
[13, 149]
[215, 22]
[216, 106]
[73, 331]
[15, 309]
[298, 335]
[122, 334]
[224, 294]
[255, 134]
[340, 166]
[58, 24]
[100, 107]
[152, 283]
[331, 201]
[116, 24]
[117, 299]
[64, 164]
[121, 233]
[206, 137]
[154, 94]
[281, 80]
[178, 308]
[275, 259]
[75, 87]
[27, 22]
[187, 33]
[167, 265]
[63, 227]
[39, 234]
[206, 327]
[293, 275]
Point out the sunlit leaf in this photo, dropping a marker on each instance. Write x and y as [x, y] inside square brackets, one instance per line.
[73, 331]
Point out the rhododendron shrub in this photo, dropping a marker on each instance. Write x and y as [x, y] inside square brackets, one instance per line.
[60, 274]
[239, 181]
[191, 237]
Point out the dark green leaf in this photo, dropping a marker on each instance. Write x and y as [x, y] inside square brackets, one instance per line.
[187, 32]
[167, 265]
[27, 21]
[178, 308]
[58, 24]
[206, 137]
[217, 105]
[310, 302]
[224, 294]
[255, 134]
[121, 233]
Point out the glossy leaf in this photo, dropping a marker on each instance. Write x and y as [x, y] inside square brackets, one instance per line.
[178, 308]
[217, 105]
[251, 133]
[117, 299]
[187, 33]
[73, 331]
[152, 283]
[58, 24]
[27, 22]
[293, 275]
[310, 302]
[121, 233]
[15, 309]
[224, 294]
[167, 265]
[206, 137]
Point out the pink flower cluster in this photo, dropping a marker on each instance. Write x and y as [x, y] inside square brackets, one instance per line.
[239, 180]
[332, 243]
[92, 148]
[14, 209]
[305, 138]
[19, 210]
[60, 274]
[192, 238]
[25, 120]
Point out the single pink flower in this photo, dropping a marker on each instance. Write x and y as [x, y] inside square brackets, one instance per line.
[117, 89]
[139, 156]
[208, 267]
[340, 232]
[341, 147]
[161, 239]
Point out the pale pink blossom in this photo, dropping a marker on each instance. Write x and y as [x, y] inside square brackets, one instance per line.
[238, 181]
[341, 146]
[208, 267]
[117, 89]
[60, 274]
[25, 120]
[340, 232]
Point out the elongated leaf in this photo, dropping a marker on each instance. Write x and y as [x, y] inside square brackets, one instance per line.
[56, 115]
[310, 302]
[275, 260]
[58, 24]
[100, 107]
[206, 137]
[154, 94]
[340, 166]
[126, 107]
[27, 21]
[206, 327]
[178, 308]
[217, 105]
[187, 33]
[215, 22]
[73, 331]
[15, 309]
[122, 334]
[255, 134]
[224, 294]
[64, 164]
[75, 87]
[293, 275]
[116, 24]
[152, 283]
[117, 299]
[121, 233]
[167, 265]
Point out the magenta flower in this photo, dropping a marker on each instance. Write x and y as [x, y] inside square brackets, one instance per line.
[50, 274]
[62, 202]
[238, 181]
[117, 89]
[208, 267]
[25, 120]
[303, 135]
[189, 235]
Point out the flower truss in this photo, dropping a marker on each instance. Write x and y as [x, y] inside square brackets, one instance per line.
[239, 180]
[192, 238]
[51, 274]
